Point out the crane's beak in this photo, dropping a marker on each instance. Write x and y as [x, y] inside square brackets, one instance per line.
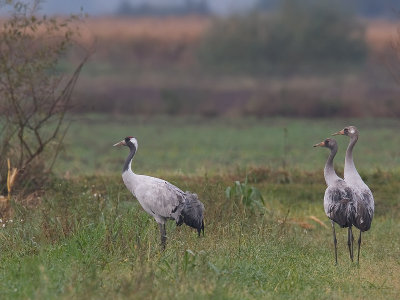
[341, 132]
[320, 144]
[121, 143]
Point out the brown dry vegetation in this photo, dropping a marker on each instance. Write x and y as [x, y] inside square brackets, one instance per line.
[168, 30]
[190, 29]
[348, 95]
[153, 39]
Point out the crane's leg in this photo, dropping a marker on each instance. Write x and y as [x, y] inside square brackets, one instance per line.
[334, 241]
[350, 242]
[163, 234]
[201, 228]
[359, 245]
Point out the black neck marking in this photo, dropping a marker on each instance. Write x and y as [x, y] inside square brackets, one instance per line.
[130, 156]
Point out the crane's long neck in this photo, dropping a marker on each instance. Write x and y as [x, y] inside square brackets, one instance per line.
[350, 171]
[329, 170]
[128, 161]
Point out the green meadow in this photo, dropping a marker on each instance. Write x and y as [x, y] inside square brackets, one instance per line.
[194, 145]
[86, 237]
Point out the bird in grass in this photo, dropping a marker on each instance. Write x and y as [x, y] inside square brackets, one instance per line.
[161, 199]
[364, 200]
[339, 202]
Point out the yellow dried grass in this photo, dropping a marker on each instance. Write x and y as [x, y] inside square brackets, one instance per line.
[11, 176]
[314, 218]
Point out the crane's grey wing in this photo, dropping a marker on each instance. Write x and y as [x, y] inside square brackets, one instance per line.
[160, 198]
[176, 206]
[364, 211]
[165, 201]
[339, 205]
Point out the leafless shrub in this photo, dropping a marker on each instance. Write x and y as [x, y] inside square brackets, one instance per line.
[34, 94]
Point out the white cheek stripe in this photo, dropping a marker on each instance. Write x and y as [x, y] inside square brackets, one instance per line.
[134, 141]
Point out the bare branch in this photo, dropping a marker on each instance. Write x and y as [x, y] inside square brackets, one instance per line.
[34, 97]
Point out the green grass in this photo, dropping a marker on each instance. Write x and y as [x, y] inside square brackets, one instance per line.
[89, 239]
[198, 146]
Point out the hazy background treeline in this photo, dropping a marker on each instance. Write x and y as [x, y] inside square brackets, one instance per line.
[373, 8]
[370, 8]
[278, 58]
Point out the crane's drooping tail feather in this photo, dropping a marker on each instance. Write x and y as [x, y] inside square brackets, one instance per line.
[192, 213]
[365, 213]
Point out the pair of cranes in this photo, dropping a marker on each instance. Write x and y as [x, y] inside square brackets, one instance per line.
[347, 202]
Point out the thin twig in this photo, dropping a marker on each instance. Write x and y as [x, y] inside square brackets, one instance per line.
[58, 149]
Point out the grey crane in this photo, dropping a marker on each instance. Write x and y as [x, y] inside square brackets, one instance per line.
[339, 203]
[161, 199]
[363, 197]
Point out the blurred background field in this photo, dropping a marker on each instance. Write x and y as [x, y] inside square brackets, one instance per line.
[198, 145]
